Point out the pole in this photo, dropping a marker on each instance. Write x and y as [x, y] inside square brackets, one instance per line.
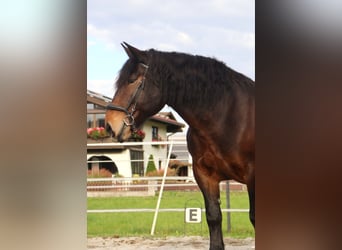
[161, 191]
[228, 207]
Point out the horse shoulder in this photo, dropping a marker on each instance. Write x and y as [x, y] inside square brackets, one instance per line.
[214, 160]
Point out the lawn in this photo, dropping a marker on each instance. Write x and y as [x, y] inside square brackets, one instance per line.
[169, 223]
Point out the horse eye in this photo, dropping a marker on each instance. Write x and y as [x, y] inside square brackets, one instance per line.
[131, 80]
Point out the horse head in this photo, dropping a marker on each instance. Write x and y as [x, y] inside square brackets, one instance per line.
[137, 95]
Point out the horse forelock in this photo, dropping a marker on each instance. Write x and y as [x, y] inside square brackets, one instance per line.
[127, 69]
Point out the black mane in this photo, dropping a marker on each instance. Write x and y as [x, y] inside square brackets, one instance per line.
[189, 79]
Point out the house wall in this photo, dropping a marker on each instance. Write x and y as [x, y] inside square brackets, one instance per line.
[159, 152]
[95, 117]
[121, 160]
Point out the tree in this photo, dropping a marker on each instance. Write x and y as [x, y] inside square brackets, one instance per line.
[151, 167]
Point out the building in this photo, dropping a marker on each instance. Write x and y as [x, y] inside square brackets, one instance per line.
[131, 160]
[182, 160]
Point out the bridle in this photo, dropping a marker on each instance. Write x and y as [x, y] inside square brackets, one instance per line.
[129, 121]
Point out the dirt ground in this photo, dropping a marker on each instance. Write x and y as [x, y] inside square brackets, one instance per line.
[179, 243]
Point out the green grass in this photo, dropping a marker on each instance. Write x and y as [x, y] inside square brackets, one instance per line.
[169, 223]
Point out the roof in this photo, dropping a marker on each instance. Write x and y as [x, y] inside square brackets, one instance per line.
[99, 96]
[168, 118]
[172, 125]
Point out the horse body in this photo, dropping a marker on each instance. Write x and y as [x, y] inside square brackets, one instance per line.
[222, 150]
[216, 102]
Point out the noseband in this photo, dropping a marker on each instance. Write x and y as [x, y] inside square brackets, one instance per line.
[129, 119]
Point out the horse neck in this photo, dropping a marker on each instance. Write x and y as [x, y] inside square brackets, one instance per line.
[179, 94]
[196, 119]
[211, 118]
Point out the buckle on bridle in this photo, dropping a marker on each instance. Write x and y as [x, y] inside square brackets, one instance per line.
[129, 120]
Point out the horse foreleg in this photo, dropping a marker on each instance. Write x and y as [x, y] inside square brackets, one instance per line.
[214, 220]
[251, 196]
[211, 193]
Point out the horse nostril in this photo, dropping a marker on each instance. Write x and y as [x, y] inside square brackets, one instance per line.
[109, 130]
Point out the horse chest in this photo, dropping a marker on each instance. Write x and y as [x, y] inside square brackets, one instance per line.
[222, 166]
[211, 160]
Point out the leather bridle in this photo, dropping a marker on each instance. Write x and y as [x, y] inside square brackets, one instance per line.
[129, 110]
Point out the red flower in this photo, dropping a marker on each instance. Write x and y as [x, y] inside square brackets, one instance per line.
[96, 133]
[139, 134]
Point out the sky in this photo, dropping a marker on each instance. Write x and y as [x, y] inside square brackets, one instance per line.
[222, 29]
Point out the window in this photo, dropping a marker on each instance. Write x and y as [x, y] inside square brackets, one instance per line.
[137, 162]
[90, 121]
[90, 105]
[96, 120]
[93, 106]
[95, 115]
[100, 120]
[154, 133]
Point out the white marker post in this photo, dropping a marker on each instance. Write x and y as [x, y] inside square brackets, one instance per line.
[193, 215]
[161, 191]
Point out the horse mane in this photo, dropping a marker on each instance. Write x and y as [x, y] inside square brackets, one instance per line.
[195, 80]
[189, 79]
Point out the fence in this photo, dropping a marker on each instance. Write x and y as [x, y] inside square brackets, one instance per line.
[148, 186]
[135, 184]
[142, 186]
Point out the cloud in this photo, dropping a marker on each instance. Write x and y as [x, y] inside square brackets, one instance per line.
[94, 31]
[150, 16]
[184, 38]
[219, 28]
[90, 43]
[105, 87]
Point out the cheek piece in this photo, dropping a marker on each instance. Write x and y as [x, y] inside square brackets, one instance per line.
[129, 110]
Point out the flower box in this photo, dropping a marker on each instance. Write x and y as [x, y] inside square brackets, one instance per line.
[137, 135]
[98, 134]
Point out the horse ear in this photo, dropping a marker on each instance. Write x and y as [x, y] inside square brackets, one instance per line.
[135, 53]
[128, 52]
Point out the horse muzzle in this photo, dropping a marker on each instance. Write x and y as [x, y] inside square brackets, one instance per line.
[119, 125]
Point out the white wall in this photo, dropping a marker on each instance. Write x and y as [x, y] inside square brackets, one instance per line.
[121, 160]
[160, 152]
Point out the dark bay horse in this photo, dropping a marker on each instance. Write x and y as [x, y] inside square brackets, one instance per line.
[217, 103]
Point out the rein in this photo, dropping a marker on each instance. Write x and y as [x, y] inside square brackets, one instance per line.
[129, 121]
